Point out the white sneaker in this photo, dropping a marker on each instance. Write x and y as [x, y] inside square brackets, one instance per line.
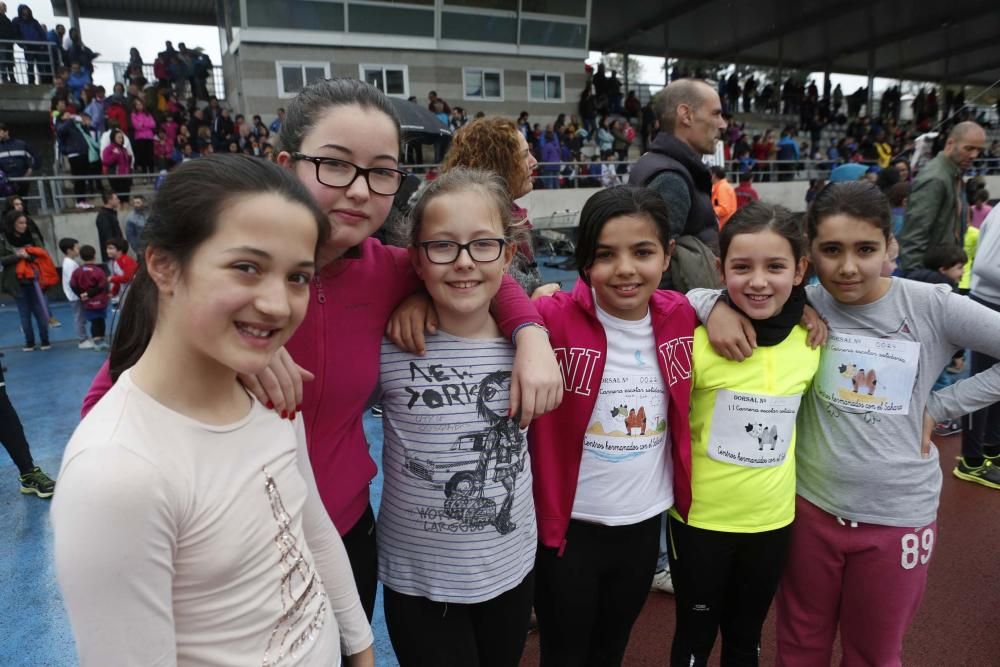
[86, 344]
[663, 582]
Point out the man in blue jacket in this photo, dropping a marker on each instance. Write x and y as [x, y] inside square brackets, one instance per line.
[17, 159]
[35, 55]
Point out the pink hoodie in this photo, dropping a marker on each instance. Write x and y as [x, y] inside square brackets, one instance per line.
[143, 125]
[339, 341]
[581, 347]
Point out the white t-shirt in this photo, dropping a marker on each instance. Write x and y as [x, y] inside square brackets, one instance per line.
[178, 542]
[626, 473]
[68, 267]
[457, 519]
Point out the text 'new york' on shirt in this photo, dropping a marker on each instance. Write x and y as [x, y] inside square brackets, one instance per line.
[457, 519]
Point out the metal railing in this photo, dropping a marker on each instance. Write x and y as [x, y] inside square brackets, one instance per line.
[215, 84]
[53, 194]
[27, 63]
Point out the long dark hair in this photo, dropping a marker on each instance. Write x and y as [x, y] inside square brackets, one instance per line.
[612, 203]
[184, 215]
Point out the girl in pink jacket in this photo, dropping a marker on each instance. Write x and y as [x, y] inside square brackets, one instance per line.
[117, 161]
[616, 453]
[143, 135]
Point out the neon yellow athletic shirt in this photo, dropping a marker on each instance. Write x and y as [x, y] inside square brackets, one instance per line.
[732, 497]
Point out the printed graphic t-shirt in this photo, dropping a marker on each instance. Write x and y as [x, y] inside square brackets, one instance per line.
[626, 473]
[457, 519]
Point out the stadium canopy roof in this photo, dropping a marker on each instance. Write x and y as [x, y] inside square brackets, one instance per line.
[954, 41]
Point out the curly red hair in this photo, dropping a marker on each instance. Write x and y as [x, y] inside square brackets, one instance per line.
[489, 143]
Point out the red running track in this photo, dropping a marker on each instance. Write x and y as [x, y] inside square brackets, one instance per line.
[956, 625]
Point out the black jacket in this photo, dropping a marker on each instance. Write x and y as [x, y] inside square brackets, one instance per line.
[107, 229]
[667, 153]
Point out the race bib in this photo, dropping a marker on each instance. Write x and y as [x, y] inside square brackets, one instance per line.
[752, 430]
[869, 374]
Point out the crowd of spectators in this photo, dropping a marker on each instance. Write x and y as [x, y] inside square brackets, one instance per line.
[146, 126]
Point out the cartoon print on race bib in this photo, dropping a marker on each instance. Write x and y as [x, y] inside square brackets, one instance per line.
[628, 422]
[865, 373]
[752, 430]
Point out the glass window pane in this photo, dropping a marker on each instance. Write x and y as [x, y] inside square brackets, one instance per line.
[314, 74]
[560, 7]
[395, 83]
[491, 84]
[291, 78]
[479, 27]
[537, 85]
[554, 88]
[474, 83]
[374, 77]
[302, 14]
[391, 20]
[504, 5]
[554, 33]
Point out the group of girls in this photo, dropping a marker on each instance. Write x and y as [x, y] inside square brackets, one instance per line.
[222, 499]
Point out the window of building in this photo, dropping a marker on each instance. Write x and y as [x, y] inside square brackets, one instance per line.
[504, 5]
[554, 33]
[392, 80]
[301, 15]
[482, 84]
[558, 7]
[479, 27]
[407, 21]
[293, 77]
[545, 86]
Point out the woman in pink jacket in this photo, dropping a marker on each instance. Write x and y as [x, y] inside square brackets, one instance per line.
[117, 161]
[143, 135]
[341, 137]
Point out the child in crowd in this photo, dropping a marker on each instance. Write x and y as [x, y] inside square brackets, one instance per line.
[134, 224]
[745, 192]
[90, 283]
[980, 207]
[616, 453]
[898, 195]
[123, 267]
[219, 551]
[456, 529]
[70, 249]
[868, 475]
[727, 557]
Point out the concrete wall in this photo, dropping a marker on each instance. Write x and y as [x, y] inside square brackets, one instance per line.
[547, 208]
[440, 71]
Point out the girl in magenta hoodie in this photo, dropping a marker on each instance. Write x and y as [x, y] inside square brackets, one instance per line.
[616, 453]
[143, 136]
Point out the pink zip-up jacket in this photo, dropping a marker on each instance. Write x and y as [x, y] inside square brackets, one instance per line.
[581, 347]
[143, 125]
[339, 341]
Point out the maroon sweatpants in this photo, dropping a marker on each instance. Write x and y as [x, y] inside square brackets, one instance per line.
[866, 579]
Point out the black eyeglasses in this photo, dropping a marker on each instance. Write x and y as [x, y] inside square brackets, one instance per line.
[341, 173]
[480, 250]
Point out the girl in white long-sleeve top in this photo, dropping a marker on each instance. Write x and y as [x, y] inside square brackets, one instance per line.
[188, 529]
